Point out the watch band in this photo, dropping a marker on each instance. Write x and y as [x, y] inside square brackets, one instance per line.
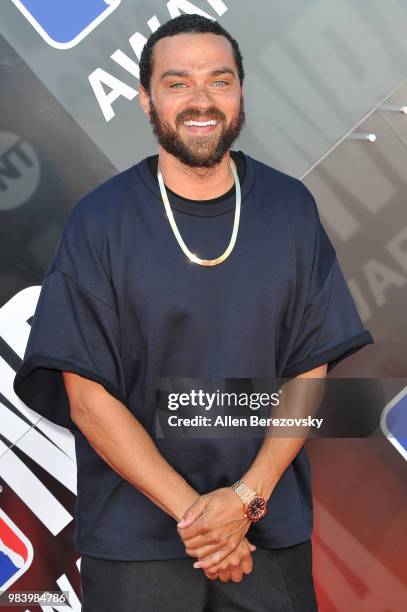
[245, 493]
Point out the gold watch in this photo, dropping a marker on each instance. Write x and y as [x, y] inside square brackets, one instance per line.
[255, 506]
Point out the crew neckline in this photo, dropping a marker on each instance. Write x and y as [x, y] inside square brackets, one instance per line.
[237, 156]
[209, 208]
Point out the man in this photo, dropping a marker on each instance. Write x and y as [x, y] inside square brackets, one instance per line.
[144, 285]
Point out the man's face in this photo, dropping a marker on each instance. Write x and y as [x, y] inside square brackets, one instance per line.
[195, 79]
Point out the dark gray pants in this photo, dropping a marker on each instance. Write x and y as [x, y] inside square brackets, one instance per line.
[281, 581]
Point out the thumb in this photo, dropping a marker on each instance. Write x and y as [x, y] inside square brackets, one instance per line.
[192, 513]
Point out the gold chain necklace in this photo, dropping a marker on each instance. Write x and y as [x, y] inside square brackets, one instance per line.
[191, 256]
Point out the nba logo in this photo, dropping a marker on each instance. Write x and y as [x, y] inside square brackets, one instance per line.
[394, 422]
[64, 23]
[16, 552]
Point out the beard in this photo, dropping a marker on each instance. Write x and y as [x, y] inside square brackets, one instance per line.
[198, 151]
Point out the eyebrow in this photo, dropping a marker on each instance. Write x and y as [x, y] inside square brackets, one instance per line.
[185, 73]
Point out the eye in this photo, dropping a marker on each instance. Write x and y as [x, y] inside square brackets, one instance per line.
[223, 82]
[174, 85]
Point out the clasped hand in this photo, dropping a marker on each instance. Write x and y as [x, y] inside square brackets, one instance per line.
[213, 531]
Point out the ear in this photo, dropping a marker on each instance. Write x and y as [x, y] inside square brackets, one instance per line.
[144, 100]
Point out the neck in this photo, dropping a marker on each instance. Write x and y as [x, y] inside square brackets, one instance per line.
[195, 183]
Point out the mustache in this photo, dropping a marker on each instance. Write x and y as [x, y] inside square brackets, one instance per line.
[193, 114]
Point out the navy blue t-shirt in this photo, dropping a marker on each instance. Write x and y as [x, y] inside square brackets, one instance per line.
[121, 305]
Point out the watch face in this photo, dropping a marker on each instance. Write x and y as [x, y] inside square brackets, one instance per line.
[256, 509]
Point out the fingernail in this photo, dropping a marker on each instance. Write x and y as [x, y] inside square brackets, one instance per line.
[181, 523]
[197, 566]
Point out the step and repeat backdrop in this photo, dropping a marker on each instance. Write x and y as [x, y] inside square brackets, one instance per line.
[326, 101]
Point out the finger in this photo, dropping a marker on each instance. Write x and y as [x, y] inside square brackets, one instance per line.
[224, 575]
[236, 573]
[211, 575]
[202, 552]
[204, 532]
[214, 559]
[240, 560]
[200, 527]
[207, 522]
[192, 513]
[196, 542]
[247, 565]
[251, 546]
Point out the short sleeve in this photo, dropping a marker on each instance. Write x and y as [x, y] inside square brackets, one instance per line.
[75, 326]
[328, 327]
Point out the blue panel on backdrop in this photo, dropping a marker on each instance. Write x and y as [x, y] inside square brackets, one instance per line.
[394, 422]
[64, 23]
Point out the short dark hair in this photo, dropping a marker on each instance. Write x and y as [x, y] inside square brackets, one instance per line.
[184, 24]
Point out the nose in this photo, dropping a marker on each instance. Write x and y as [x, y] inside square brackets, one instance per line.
[200, 97]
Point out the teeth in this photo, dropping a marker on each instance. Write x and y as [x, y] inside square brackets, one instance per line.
[201, 123]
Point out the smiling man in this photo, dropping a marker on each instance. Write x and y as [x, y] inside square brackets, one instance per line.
[198, 262]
